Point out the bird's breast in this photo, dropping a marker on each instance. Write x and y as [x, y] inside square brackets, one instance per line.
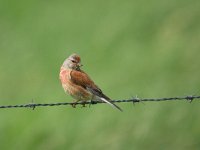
[65, 75]
[76, 91]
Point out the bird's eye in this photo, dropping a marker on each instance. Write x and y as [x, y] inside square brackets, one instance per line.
[73, 61]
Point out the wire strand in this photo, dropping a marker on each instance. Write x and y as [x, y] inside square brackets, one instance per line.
[133, 100]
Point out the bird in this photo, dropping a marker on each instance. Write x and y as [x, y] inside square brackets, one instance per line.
[78, 84]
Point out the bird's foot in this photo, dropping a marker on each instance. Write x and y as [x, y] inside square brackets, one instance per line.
[83, 104]
[74, 104]
[92, 102]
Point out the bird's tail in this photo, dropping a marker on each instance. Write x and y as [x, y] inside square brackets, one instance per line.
[112, 104]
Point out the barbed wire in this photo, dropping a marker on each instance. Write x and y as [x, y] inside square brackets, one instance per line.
[133, 100]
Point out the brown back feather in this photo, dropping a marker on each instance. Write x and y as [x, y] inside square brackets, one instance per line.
[82, 79]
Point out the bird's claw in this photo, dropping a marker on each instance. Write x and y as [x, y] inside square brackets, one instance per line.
[83, 104]
[74, 105]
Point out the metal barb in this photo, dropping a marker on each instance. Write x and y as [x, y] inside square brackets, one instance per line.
[135, 99]
[190, 98]
[32, 105]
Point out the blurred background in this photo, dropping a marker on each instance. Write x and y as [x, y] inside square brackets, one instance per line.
[148, 48]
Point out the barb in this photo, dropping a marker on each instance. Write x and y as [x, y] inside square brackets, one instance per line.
[133, 100]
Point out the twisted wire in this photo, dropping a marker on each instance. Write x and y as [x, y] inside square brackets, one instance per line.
[133, 100]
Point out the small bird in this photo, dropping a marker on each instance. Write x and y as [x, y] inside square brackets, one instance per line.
[78, 84]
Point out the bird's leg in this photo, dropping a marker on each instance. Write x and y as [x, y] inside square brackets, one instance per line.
[75, 103]
[83, 103]
[91, 101]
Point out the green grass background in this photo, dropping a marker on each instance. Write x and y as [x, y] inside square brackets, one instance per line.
[148, 48]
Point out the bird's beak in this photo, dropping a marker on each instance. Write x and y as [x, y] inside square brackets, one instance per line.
[80, 65]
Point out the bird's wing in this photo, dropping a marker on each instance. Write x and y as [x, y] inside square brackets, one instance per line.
[82, 79]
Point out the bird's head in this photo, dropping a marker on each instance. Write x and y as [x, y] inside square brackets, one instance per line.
[73, 62]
